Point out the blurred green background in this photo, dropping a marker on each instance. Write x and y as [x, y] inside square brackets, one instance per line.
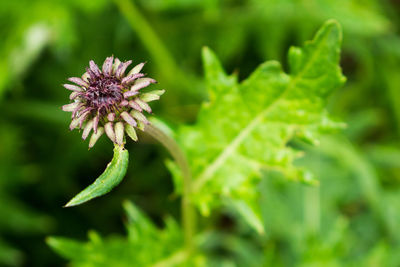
[353, 218]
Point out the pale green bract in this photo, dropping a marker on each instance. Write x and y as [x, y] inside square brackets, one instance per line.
[245, 127]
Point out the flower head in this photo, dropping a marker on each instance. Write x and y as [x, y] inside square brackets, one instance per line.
[110, 101]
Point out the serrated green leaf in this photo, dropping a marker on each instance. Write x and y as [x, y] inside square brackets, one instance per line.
[146, 245]
[109, 179]
[251, 217]
[66, 247]
[246, 127]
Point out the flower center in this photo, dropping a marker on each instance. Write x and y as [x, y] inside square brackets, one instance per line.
[104, 94]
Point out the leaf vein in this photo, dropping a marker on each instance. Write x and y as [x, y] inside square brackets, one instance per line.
[230, 149]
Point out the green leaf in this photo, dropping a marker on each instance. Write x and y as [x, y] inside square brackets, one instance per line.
[109, 179]
[145, 245]
[245, 128]
[66, 247]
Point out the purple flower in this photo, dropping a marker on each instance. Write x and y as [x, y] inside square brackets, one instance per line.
[110, 101]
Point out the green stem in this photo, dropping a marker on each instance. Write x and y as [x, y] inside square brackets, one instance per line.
[188, 213]
[147, 35]
[312, 208]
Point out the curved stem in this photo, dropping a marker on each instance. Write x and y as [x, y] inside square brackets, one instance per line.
[188, 213]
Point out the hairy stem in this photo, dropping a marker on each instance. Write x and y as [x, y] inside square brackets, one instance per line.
[188, 213]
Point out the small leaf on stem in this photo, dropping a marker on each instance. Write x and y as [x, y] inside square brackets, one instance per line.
[109, 179]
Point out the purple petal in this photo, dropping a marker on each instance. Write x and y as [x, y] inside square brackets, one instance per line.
[143, 105]
[116, 64]
[129, 79]
[135, 105]
[128, 118]
[95, 123]
[83, 117]
[78, 108]
[91, 74]
[94, 68]
[146, 79]
[87, 109]
[130, 93]
[74, 123]
[108, 127]
[70, 107]
[85, 77]
[121, 68]
[73, 87]
[139, 85]
[74, 95]
[87, 129]
[95, 136]
[78, 81]
[107, 66]
[111, 116]
[124, 103]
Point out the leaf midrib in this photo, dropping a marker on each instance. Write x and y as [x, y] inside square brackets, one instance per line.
[225, 153]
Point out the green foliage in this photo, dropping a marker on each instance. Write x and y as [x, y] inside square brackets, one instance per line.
[145, 245]
[109, 179]
[351, 219]
[245, 128]
[349, 13]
